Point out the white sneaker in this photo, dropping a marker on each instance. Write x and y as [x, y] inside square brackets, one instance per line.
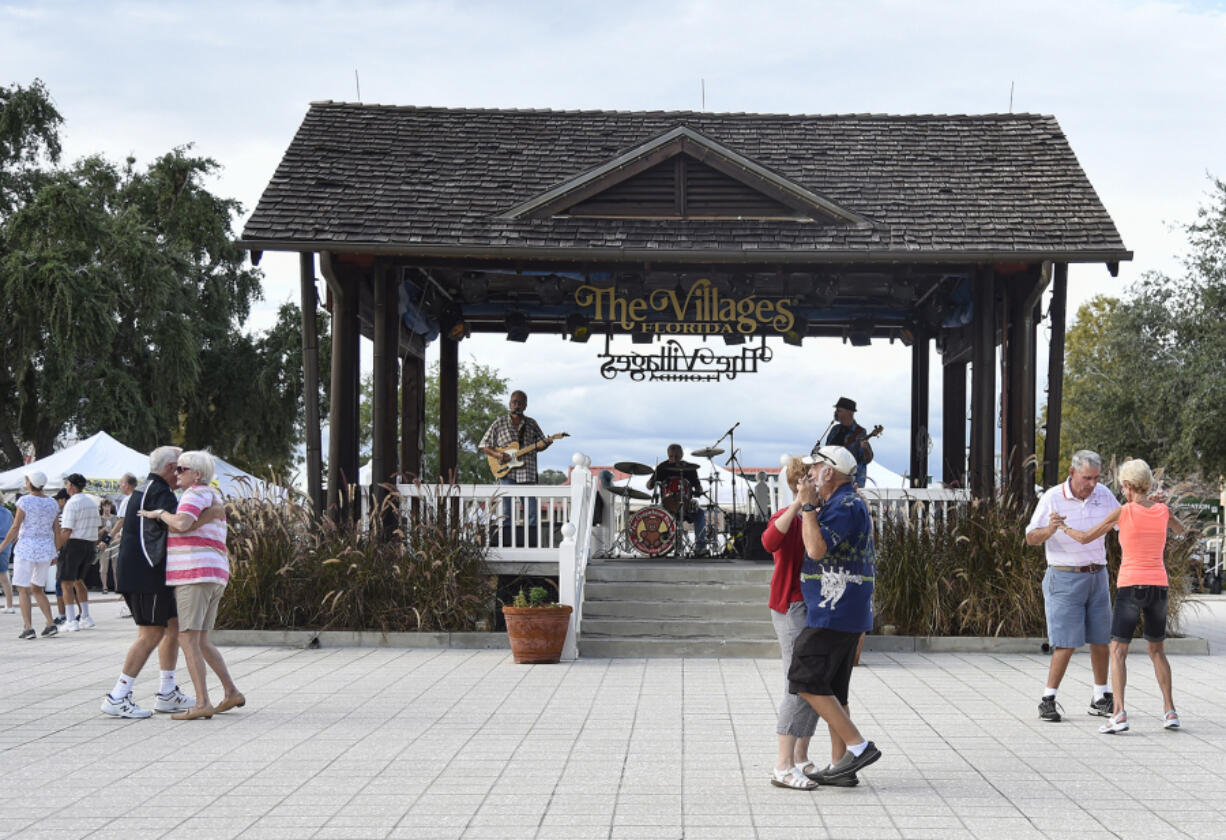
[70, 626]
[124, 612]
[10, 610]
[1115, 724]
[86, 622]
[1170, 720]
[124, 708]
[174, 701]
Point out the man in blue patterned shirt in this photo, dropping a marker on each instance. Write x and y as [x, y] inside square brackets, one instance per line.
[836, 579]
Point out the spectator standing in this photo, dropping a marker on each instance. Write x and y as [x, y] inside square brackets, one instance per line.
[80, 526]
[32, 536]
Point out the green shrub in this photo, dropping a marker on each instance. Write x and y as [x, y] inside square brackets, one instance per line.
[973, 574]
[289, 570]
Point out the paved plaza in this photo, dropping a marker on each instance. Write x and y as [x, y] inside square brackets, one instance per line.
[381, 743]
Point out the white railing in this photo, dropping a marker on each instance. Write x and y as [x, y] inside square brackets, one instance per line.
[510, 538]
[576, 550]
[919, 507]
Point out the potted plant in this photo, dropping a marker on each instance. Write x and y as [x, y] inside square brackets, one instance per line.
[536, 627]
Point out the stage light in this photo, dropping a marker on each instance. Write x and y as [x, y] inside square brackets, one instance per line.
[579, 327]
[800, 327]
[517, 326]
[860, 333]
[453, 324]
[734, 338]
[642, 338]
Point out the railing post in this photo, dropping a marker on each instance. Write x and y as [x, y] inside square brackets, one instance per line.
[574, 550]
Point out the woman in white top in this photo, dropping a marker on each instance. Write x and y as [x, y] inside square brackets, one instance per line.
[34, 530]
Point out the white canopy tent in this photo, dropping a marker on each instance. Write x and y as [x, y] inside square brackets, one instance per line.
[104, 460]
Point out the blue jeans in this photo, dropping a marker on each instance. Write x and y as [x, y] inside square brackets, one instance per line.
[532, 504]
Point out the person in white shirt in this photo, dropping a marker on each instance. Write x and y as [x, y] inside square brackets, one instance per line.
[1076, 596]
[80, 527]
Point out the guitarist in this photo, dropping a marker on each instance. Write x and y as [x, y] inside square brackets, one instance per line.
[516, 429]
[850, 435]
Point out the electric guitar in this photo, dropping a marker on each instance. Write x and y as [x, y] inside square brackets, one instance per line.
[860, 437]
[500, 469]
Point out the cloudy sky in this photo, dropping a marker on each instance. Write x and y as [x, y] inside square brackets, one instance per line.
[1138, 87]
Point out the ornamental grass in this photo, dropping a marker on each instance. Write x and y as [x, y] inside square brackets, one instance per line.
[972, 574]
[291, 570]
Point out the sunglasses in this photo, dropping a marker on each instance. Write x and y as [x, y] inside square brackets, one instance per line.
[180, 470]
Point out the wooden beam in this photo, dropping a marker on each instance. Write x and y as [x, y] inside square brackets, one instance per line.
[310, 386]
[448, 409]
[413, 417]
[983, 386]
[385, 379]
[953, 424]
[1018, 382]
[919, 410]
[1055, 376]
[343, 428]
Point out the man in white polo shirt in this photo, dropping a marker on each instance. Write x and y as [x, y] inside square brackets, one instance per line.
[1075, 591]
[80, 527]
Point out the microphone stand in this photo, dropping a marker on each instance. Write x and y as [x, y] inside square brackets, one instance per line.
[818, 445]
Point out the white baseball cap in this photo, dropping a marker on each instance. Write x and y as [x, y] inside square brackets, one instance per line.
[37, 479]
[836, 456]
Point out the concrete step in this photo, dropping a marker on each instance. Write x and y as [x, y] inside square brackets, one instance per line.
[676, 592]
[649, 572]
[623, 648]
[706, 611]
[674, 628]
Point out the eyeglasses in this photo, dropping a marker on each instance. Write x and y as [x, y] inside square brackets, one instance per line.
[179, 470]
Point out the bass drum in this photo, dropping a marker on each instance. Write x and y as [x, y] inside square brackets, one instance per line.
[652, 531]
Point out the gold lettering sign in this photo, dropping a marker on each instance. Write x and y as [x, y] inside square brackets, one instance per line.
[702, 310]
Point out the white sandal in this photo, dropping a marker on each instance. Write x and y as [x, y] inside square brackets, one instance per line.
[793, 778]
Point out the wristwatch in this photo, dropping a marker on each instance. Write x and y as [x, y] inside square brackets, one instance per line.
[808, 508]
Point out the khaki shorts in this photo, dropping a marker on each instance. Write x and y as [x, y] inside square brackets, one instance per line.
[197, 603]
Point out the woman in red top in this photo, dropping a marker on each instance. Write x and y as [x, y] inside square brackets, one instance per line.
[797, 720]
[1141, 588]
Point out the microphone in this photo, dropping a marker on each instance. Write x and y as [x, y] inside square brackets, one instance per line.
[738, 422]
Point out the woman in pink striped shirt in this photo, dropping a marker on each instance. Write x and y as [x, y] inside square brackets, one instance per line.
[1140, 589]
[198, 566]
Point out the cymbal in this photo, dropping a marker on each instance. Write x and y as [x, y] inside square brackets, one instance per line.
[709, 452]
[630, 492]
[632, 468]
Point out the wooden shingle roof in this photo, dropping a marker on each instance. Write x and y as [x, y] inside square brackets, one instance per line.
[445, 182]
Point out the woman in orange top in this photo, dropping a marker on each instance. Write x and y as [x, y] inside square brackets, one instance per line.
[1141, 588]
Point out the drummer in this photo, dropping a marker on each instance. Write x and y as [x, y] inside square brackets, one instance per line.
[681, 477]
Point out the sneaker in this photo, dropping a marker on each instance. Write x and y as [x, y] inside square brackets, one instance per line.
[50, 630]
[71, 626]
[60, 619]
[1049, 709]
[823, 778]
[123, 708]
[86, 622]
[173, 701]
[28, 633]
[10, 610]
[1115, 724]
[1103, 706]
[849, 764]
[1170, 720]
[124, 612]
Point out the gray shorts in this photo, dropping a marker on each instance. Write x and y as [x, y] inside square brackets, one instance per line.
[1078, 607]
[796, 717]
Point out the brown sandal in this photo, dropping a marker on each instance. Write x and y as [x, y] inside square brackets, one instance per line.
[194, 713]
[235, 702]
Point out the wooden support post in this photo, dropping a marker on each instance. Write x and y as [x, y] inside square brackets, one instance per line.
[919, 410]
[385, 378]
[448, 408]
[1018, 384]
[983, 386]
[1055, 377]
[413, 417]
[310, 383]
[343, 431]
[953, 424]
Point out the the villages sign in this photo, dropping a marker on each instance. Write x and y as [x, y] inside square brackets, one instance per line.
[700, 310]
[673, 363]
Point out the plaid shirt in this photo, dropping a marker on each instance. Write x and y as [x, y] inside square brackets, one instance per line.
[502, 434]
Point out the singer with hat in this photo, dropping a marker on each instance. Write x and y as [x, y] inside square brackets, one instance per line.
[850, 435]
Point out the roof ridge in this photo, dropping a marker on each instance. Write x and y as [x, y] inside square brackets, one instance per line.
[331, 103]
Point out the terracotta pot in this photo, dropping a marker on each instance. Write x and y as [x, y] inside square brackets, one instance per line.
[537, 634]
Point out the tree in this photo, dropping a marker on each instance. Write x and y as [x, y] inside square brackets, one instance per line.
[1146, 375]
[482, 399]
[551, 477]
[124, 295]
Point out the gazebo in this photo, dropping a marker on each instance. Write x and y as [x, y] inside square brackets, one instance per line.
[433, 223]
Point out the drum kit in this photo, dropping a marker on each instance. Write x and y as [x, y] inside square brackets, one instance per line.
[655, 530]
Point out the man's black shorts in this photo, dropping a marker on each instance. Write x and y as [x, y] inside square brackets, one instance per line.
[821, 662]
[75, 559]
[152, 609]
